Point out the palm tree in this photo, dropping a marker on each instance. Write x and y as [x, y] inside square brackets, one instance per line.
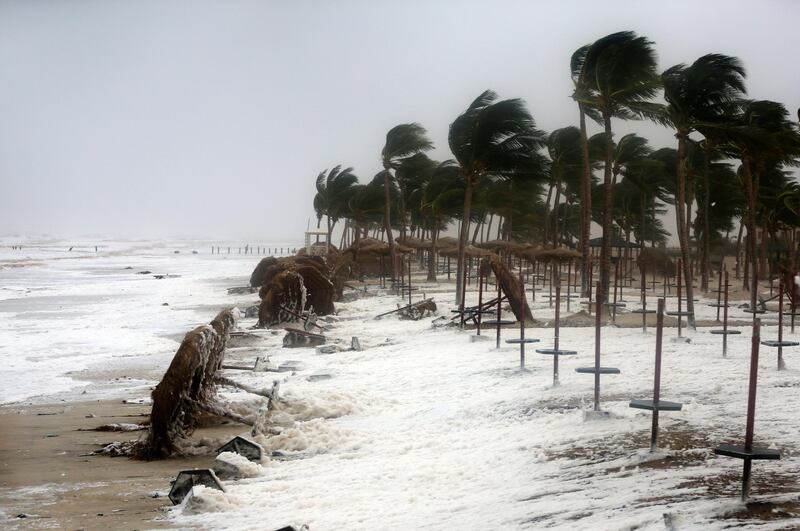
[364, 205]
[582, 94]
[332, 190]
[402, 141]
[618, 73]
[762, 137]
[440, 199]
[492, 140]
[565, 149]
[411, 175]
[699, 97]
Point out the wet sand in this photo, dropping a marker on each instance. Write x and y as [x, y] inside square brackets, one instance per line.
[47, 476]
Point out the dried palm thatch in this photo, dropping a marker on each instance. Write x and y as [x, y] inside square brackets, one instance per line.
[285, 289]
[656, 260]
[189, 381]
[469, 250]
[319, 290]
[499, 245]
[257, 277]
[510, 287]
[559, 254]
[415, 243]
[446, 242]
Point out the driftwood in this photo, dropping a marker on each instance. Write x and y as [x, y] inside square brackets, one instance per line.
[189, 381]
[424, 304]
[510, 287]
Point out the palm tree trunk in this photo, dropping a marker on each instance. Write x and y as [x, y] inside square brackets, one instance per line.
[704, 257]
[402, 212]
[608, 206]
[555, 217]
[643, 207]
[387, 223]
[546, 236]
[330, 230]
[489, 227]
[432, 260]
[683, 228]
[751, 227]
[475, 232]
[586, 207]
[462, 239]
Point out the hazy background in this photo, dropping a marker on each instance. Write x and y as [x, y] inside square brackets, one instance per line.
[198, 118]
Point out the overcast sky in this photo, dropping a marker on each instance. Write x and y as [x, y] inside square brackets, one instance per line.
[213, 118]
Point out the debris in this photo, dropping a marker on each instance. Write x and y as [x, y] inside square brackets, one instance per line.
[243, 447]
[231, 465]
[300, 338]
[355, 344]
[187, 479]
[291, 366]
[320, 375]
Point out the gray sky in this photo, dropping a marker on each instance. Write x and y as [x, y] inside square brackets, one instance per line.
[213, 118]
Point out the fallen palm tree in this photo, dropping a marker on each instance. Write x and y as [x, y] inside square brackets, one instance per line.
[187, 388]
[509, 286]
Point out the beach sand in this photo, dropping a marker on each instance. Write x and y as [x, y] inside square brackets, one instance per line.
[48, 477]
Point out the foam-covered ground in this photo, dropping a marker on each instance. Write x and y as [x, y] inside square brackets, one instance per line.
[426, 429]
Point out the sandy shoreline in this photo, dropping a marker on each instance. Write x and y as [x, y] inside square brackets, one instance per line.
[47, 475]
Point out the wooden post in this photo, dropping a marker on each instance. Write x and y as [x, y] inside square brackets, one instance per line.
[679, 299]
[499, 309]
[569, 281]
[480, 298]
[597, 325]
[781, 365]
[719, 291]
[522, 324]
[644, 297]
[725, 319]
[555, 338]
[409, 280]
[751, 408]
[657, 375]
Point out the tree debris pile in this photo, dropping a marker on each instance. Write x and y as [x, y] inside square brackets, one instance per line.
[187, 385]
[296, 282]
[510, 287]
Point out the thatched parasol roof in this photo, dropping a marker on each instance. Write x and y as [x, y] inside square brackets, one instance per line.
[446, 241]
[469, 250]
[416, 243]
[561, 254]
[379, 247]
[499, 244]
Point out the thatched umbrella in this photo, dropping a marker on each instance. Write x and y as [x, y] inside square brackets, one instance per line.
[559, 254]
[445, 242]
[415, 243]
[499, 245]
[510, 286]
[469, 250]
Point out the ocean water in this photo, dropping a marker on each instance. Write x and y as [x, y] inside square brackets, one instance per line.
[68, 317]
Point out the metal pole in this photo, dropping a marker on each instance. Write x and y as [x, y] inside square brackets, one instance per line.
[679, 299]
[522, 324]
[781, 365]
[725, 320]
[751, 407]
[555, 340]
[644, 298]
[719, 292]
[499, 301]
[480, 298]
[597, 325]
[569, 281]
[409, 280]
[657, 375]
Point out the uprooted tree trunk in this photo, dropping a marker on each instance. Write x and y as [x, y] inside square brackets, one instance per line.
[188, 382]
[510, 287]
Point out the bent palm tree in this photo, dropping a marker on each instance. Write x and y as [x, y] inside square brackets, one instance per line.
[332, 188]
[699, 97]
[492, 139]
[402, 141]
[619, 73]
